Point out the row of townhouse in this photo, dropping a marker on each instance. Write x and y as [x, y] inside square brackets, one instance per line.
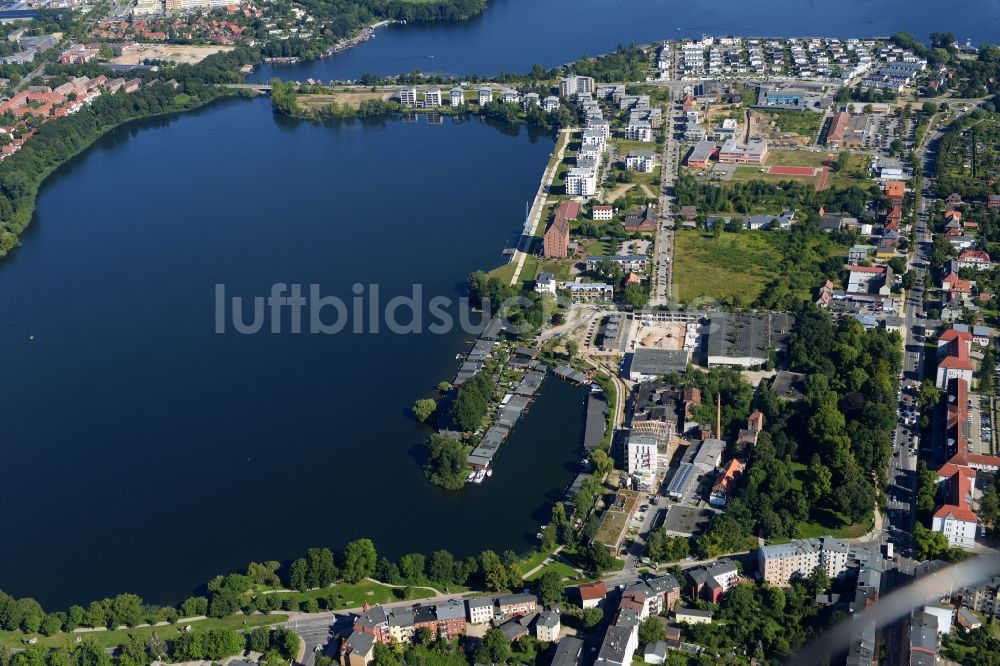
[449, 619]
[629, 262]
[48, 104]
[433, 98]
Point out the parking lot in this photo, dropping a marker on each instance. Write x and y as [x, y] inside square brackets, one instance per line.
[686, 521]
[981, 426]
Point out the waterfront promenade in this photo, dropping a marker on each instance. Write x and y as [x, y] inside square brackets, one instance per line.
[538, 205]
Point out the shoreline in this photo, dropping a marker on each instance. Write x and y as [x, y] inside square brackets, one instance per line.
[26, 213]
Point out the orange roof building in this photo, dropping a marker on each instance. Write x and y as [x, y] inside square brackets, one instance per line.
[895, 189]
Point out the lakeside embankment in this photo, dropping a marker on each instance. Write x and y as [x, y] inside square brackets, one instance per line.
[23, 173]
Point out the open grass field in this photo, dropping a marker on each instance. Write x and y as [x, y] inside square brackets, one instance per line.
[797, 158]
[504, 273]
[743, 174]
[351, 99]
[728, 266]
[559, 268]
[803, 123]
[568, 573]
[110, 639]
[345, 595]
[855, 173]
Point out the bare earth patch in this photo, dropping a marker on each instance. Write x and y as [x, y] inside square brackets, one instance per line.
[135, 54]
[350, 99]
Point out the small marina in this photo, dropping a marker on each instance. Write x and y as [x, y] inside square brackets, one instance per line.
[521, 372]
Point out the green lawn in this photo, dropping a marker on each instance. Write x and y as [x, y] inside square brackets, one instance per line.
[796, 158]
[743, 174]
[108, 639]
[803, 123]
[730, 266]
[533, 559]
[559, 268]
[568, 573]
[504, 273]
[345, 595]
[856, 172]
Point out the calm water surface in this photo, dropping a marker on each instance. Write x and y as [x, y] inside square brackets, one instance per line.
[512, 35]
[136, 440]
[143, 452]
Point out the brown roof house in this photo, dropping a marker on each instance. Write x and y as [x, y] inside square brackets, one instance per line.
[555, 242]
[640, 220]
[592, 594]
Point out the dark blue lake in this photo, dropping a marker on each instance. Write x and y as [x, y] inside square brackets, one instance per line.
[144, 452]
[513, 35]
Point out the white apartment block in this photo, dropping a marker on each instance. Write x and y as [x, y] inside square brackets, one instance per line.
[641, 454]
[639, 131]
[408, 96]
[959, 530]
[581, 182]
[593, 137]
[485, 96]
[432, 98]
[573, 85]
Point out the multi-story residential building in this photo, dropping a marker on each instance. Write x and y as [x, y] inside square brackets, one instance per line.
[432, 98]
[568, 652]
[485, 96]
[975, 259]
[481, 609]
[548, 626]
[780, 564]
[583, 291]
[574, 85]
[618, 647]
[457, 96]
[983, 598]
[517, 604]
[641, 458]
[602, 213]
[712, 581]
[581, 182]
[955, 518]
[653, 596]
[358, 649]
[593, 137]
[600, 124]
[639, 130]
[550, 104]
[531, 99]
[375, 624]
[545, 283]
[954, 361]
[640, 160]
[510, 96]
[408, 96]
